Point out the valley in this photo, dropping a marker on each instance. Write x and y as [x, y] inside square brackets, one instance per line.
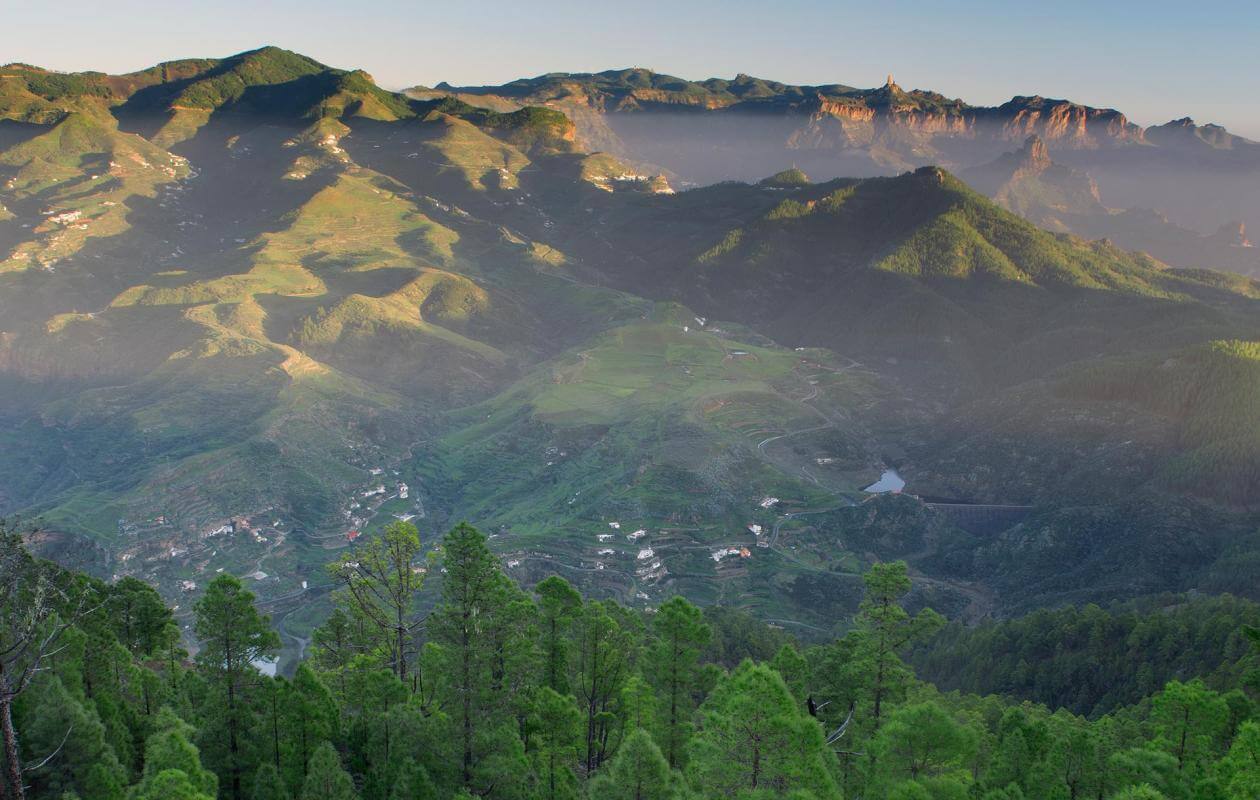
[253, 309]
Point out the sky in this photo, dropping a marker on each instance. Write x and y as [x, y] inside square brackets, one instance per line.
[1153, 60]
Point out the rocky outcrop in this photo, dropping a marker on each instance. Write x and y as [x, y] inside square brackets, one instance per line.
[664, 97]
[1061, 123]
[1231, 234]
[1034, 159]
[1184, 133]
[1028, 182]
[843, 109]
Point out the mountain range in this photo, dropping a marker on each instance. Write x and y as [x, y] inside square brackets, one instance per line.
[253, 308]
[747, 128]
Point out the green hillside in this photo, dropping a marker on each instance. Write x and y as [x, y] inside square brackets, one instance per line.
[1207, 394]
[256, 307]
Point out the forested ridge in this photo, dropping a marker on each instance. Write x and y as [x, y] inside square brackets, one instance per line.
[1092, 660]
[494, 691]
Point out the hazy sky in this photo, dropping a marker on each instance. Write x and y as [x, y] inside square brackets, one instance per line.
[1154, 60]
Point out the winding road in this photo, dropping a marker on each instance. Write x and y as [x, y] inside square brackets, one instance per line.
[980, 600]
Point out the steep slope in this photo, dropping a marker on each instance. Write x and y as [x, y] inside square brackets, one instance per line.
[239, 332]
[745, 128]
[73, 182]
[303, 306]
[1029, 183]
[918, 269]
[896, 128]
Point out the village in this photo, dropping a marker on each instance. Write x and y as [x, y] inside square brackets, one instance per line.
[181, 552]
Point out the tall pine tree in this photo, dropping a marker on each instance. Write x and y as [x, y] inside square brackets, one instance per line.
[233, 637]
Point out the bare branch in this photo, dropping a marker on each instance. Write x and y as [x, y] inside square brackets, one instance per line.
[839, 733]
[52, 755]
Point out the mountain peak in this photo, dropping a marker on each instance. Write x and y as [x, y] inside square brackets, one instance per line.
[1035, 155]
[1185, 132]
[1232, 234]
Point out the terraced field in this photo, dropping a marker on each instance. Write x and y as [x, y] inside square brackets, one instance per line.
[253, 309]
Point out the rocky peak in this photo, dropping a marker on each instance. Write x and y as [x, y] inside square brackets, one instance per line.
[1232, 234]
[1185, 133]
[1035, 156]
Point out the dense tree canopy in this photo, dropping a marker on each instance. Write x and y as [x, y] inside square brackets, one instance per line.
[497, 692]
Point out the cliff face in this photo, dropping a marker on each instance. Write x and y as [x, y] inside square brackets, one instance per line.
[1059, 122]
[741, 129]
[1028, 182]
[839, 109]
[1063, 123]
[640, 97]
[916, 113]
[1231, 234]
[1060, 198]
[1034, 159]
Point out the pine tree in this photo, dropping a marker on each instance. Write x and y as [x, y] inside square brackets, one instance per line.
[325, 779]
[233, 636]
[55, 723]
[555, 739]
[309, 718]
[922, 741]
[754, 736]
[170, 784]
[886, 629]
[139, 617]
[672, 664]
[380, 583]
[1239, 771]
[169, 749]
[1146, 766]
[469, 626]
[1190, 722]
[413, 783]
[1072, 760]
[637, 772]
[639, 704]
[558, 602]
[268, 785]
[334, 648]
[38, 605]
[1022, 744]
[601, 653]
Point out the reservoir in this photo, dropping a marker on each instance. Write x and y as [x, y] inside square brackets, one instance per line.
[890, 481]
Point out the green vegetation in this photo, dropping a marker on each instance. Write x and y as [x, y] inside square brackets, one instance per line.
[246, 301]
[482, 160]
[85, 172]
[229, 82]
[486, 688]
[1204, 392]
[788, 178]
[1093, 661]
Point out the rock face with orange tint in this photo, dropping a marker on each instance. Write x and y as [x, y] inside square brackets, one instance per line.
[805, 114]
[1064, 123]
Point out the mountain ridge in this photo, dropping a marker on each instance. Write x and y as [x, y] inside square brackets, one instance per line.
[242, 331]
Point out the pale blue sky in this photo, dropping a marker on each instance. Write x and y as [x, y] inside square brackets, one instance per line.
[1154, 60]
